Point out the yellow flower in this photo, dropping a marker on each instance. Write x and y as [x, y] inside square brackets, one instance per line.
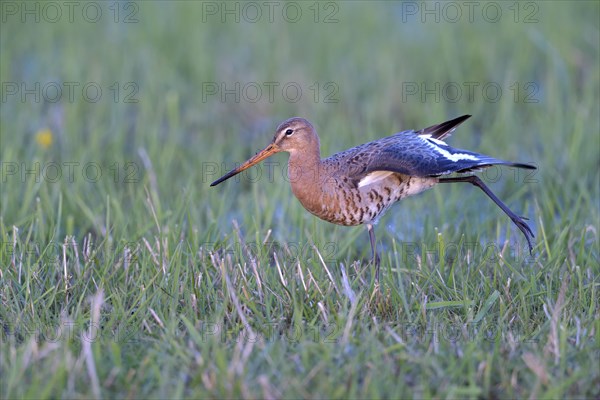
[44, 138]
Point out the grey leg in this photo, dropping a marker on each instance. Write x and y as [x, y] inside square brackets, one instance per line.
[374, 255]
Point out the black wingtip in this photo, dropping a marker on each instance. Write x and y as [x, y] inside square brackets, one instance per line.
[524, 166]
[442, 130]
[489, 162]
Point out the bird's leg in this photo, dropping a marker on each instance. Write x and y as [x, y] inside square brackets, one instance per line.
[518, 221]
[374, 255]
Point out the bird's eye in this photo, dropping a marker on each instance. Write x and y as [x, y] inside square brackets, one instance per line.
[289, 132]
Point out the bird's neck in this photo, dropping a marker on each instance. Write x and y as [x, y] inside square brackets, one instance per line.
[306, 174]
[305, 166]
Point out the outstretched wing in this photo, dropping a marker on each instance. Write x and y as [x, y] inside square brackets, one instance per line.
[415, 153]
[419, 155]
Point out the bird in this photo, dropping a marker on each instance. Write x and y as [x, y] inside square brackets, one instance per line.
[357, 186]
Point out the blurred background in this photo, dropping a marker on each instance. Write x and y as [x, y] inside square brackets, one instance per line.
[111, 102]
[116, 116]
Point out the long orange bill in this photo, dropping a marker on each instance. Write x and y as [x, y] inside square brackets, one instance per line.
[261, 155]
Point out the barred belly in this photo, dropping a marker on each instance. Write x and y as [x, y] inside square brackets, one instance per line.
[350, 206]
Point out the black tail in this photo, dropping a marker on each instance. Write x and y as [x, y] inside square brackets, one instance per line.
[485, 163]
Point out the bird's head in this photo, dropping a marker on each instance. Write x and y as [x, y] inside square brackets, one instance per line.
[294, 135]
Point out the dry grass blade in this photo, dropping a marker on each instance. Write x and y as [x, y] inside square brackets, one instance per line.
[349, 322]
[553, 346]
[346, 285]
[93, 334]
[248, 253]
[301, 274]
[536, 366]
[156, 318]
[235, 301]
[326, 269]
[281, 278]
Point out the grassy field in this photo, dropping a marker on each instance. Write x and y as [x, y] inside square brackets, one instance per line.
[123, 274]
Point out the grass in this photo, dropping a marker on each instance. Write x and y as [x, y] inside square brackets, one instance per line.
[124, 275]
